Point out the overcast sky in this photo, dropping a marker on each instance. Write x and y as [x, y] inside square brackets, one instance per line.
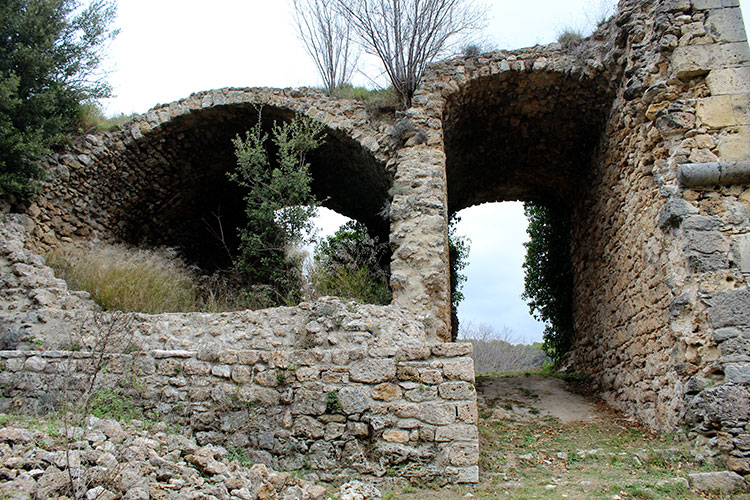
[168, 49]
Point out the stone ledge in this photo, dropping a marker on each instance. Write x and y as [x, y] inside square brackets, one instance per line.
[711, 174]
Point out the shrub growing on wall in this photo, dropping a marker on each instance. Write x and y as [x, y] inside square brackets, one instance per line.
[458, 247]
[279, 208]
[548, 276]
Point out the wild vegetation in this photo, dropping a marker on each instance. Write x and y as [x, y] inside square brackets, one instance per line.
[121, 278]
[499, 351]
[279, 208]
[49, 67]
[548, 276]
[351, 264]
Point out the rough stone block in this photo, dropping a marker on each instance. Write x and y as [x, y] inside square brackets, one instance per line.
[706, 4]
[464, 474]
[309, 402]
[738, 372]
[373, 371]
[353, 399]
[241, 374]
[735, 54]
[396, 436]
[462, 454]
[456, 390]
[724, 481]
[726, 25]
[412, 353]
[386, 392]
[459, 369]
[35, 364]
[436, 413]
[451, 350]
[431, 377]
[467, 412]
[457, 433]
[729, 81]
[742, 251]
[734, 144]
[716, 112]
[692, 60]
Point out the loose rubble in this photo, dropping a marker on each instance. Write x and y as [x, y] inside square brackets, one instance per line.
[106, 459]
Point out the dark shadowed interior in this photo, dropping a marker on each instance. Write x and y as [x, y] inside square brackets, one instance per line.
[527, 136]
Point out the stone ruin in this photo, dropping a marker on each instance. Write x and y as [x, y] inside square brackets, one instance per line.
[641, 131]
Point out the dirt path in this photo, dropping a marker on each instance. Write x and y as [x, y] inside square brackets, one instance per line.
[534, 396]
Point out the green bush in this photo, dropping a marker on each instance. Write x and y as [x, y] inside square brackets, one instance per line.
[458, 247]
[49, 56]
[353, 265]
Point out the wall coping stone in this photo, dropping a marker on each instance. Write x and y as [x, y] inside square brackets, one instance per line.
[710, 174]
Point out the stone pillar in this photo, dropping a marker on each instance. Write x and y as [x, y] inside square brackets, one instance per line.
[419, 238]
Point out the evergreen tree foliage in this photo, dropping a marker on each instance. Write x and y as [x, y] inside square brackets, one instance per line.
[279, 207]
[50, 51]
[548, 280]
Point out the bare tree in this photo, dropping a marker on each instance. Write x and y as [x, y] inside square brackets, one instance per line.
[406, 35]
[499, 351]
[326, 36]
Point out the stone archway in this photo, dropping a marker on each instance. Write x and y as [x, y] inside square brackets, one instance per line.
[162, 180]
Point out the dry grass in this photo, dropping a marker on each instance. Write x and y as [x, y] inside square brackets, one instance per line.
[124, 279]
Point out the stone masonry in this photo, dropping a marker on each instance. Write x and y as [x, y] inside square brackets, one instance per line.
[641, 133]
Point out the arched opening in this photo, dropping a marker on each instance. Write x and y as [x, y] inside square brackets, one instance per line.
[523, 136]
[173, 188]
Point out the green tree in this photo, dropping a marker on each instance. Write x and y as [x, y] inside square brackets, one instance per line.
[50, 52]
[458, 249]
[279, 207]
[352, 264]
[548, 280]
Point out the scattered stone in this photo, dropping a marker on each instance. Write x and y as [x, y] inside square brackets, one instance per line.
[357, 490]
[725, 481]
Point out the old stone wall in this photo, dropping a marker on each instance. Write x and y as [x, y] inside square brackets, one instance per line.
[640, 133]
[338, 388]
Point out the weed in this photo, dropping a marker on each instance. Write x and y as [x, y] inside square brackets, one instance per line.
[333, 404]
[113, 404]
[240, 455]
[569, 38]
[281, 377]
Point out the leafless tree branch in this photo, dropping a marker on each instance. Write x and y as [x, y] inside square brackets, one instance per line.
[327, 39]
[407, 35]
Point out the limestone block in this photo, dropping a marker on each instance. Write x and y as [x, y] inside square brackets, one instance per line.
[241, 374]
[741, 107]
[735, 54]
[742, 250]
[386, 392]
[738, 372]
[706, 4]
[724, 481]
[459, 369]
[464, 474]
[457, 433]
[451, 350]
[693, 60]
[35, 364]
[308, 427]
[726, 25]
[729, 81]
[463, 453]
[734, 144]
[396, 436]
[353, 400]
[436, 413]
[373, 371]
[468, 412]
[716, 112]
[456, 390]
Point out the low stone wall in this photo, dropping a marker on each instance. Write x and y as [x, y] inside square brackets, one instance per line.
[407, 411]
[334, 387]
